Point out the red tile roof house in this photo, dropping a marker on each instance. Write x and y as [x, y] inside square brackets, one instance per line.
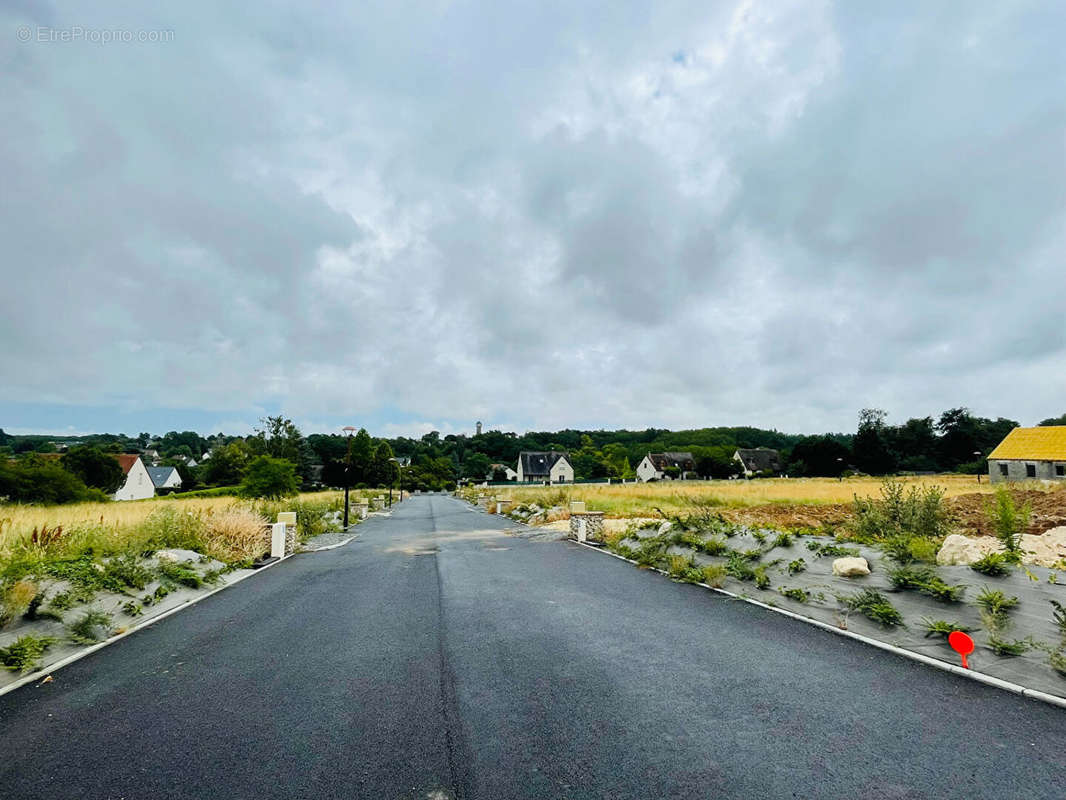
[138, 484]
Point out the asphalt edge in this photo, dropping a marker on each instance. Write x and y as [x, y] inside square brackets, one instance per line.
[63, 662]
[980, 677]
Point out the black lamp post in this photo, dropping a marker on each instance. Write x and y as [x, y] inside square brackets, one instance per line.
[977, 456]
[348, 429]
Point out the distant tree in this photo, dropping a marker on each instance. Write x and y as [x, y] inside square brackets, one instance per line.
[869, 448]
[818, 456]
[227, 464]
[186, 443]
[1045, 423]
[362, 457]
[383, 470]
[270, 477]
[94, 467]
[476, 466]
[37, 480]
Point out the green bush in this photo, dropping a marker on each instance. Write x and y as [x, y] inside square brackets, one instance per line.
[33, 479]
[797, 566]
[270, 477]
[995, 602]
[901, 513]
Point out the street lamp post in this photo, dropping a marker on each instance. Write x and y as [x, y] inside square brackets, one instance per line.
[348, 429]
[977, 457]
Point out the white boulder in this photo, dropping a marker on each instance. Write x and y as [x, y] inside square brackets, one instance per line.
[851, 567]
[1045, 550]
[959, 549]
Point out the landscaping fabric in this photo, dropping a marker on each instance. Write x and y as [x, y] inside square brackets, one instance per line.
[1031, 619]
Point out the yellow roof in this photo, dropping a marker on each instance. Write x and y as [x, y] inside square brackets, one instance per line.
[1034, 444]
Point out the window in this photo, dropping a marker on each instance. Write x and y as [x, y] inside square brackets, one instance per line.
[1030, 470]
[1003, 470]
[1060, 470]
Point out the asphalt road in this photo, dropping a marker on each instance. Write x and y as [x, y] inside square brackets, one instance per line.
[437, 656]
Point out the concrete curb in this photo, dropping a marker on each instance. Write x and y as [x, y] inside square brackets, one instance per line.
[44, 672]
[980, 677]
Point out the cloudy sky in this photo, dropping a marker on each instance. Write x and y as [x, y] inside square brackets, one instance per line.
[539, 215]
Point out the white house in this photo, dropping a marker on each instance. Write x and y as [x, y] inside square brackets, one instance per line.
[165, 478]
[509, 474]
[551, 466]
[138, 485]
[654, 466]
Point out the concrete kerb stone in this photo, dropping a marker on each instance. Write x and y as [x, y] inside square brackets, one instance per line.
[43, 673]
[980, 677]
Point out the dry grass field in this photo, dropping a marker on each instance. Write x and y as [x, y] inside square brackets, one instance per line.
[789, 502]
[637, 499]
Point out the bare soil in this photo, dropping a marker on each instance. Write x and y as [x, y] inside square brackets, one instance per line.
[968, 512]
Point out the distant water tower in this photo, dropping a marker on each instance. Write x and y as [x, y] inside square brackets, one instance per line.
[479, 429]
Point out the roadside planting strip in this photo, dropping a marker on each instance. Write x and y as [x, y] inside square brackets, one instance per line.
[980, 677]
[48, 670]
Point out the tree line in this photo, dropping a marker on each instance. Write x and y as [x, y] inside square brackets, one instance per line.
[278, 458]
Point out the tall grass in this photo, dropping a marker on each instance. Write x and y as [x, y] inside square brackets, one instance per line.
[224, 528]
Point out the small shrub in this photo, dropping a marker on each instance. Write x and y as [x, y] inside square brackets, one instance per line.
[995, 602]
[927, 582]
[799, 595]
[91, 628]
[683, 568]
[940, 627]
[797, 566]
[127, 571]
[132, 608]
[782, 540]
[1009, 523]
[714, 575]
[762, 580]
[25, 653]
[906, 549]
[873, 605]
[831, 550]
[738, 567]
[751, 555]
[993, 564]
[1002, 647]
[181, 574]
[1058, 614]
[1057, 661]
[651, 552]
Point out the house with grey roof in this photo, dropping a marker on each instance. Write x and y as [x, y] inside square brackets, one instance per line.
[551, 466]
[759, 460]
[666, 466]
[165, 479]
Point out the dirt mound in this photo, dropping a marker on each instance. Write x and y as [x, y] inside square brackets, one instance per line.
[970, 511]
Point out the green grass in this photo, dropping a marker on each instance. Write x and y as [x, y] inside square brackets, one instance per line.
[714, 575]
